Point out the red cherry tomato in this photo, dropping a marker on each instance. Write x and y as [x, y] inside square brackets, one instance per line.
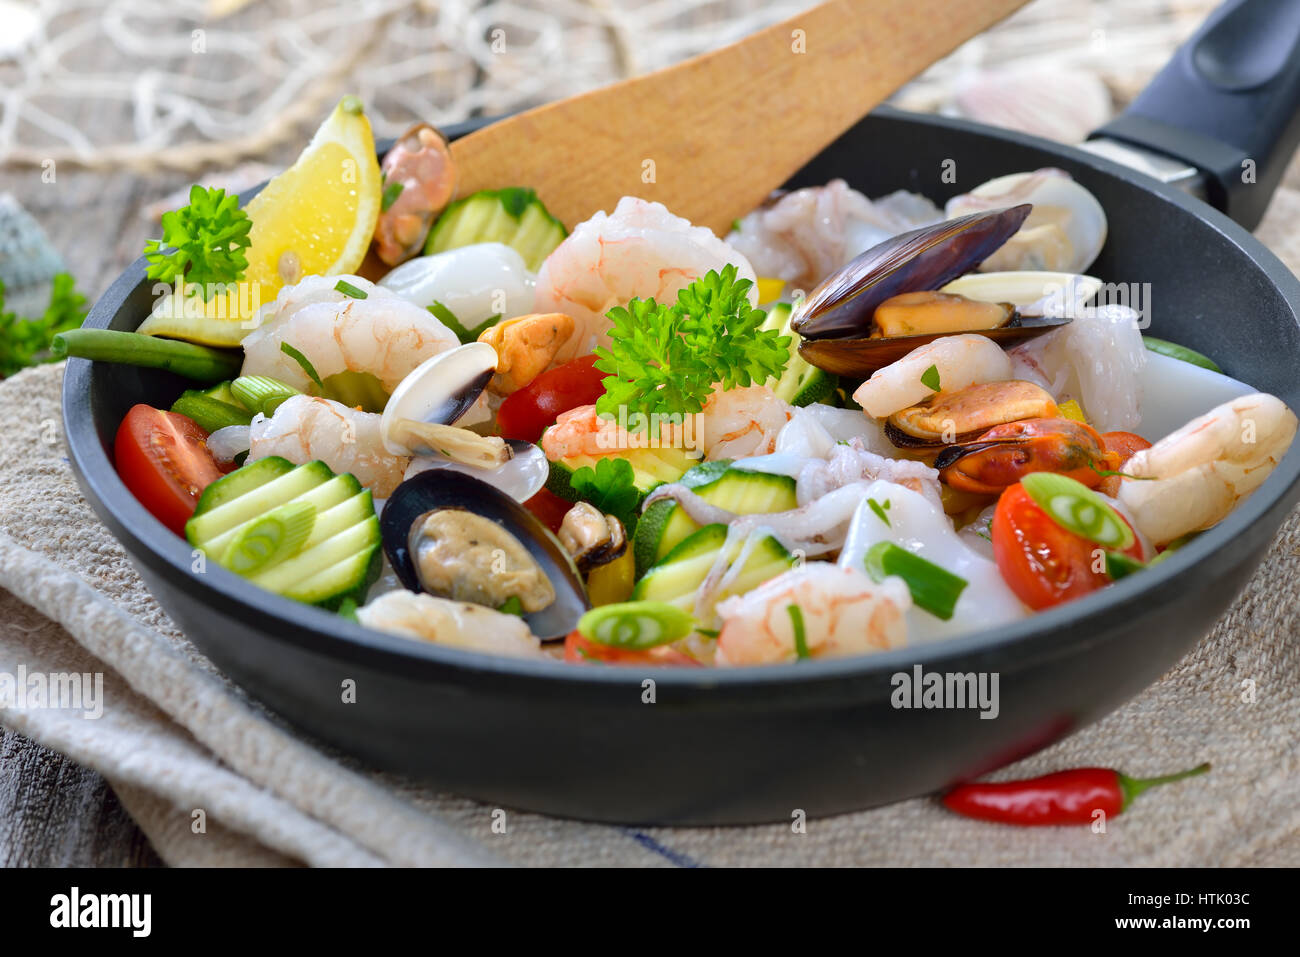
[549, 508]
[526, 413]
[1125, 445]
[1043, 563]
[163, 458]
[578, 650]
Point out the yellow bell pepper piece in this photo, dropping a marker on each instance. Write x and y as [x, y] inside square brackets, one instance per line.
[1072, 410]
[612, 582]
[769, 290]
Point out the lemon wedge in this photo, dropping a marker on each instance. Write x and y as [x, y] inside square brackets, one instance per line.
[315, 218]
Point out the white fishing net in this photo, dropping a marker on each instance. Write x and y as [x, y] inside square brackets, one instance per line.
[188, 84]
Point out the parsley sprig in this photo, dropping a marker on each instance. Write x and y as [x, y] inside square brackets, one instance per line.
[666, 358]
[26, 342]
[202, 243]
[611, 487]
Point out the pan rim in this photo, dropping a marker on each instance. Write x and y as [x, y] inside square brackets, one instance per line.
[147, 541]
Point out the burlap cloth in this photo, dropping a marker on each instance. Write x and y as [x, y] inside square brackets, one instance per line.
[176, 737]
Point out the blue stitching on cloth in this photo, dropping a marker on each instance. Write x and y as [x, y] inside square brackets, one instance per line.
[650, 844]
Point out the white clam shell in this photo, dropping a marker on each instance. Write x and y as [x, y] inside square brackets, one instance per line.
[1034, 292]
[1056, 198]
[436, 389]
[522, 477]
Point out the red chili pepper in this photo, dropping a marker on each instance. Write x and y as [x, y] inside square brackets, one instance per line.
[1066, 797]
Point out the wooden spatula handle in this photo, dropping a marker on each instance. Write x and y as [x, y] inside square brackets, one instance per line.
[712, 136]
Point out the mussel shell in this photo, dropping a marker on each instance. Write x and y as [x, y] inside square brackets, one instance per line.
[859, 358]
[843, 304]
[905, 440]
[442, 488]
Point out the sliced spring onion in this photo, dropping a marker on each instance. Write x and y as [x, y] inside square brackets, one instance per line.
[261, 393]
[933, 588]
[1119, 565]
[1078, 509]
[636, 624]
[208, 413]
[391, 192]
[800, 636]
[512, 606]
[302, 361]
[450, 320]
[187, 359]
[930, 378]
[880, 510]
[276, 536]
[348, 609]
[1174, 351]
[348, 289]
[1173, 546]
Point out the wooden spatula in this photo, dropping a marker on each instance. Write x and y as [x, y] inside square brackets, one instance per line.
[711, 137]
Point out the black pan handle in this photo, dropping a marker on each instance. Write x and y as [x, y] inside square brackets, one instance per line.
[1228, 104]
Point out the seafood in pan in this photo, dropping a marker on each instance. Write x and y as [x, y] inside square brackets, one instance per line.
[637, 442]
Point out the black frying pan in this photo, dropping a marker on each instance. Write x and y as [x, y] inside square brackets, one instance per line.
[750, 745]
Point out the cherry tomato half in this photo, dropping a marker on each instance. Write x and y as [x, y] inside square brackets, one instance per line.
[163, 458]
[578, 650]
[1125, 445]
[526, 413]
[549, 508]
[1043, 563]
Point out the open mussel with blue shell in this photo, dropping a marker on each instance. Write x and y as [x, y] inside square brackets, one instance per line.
[906, 291]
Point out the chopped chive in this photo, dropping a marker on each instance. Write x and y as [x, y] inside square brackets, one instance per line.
[735, 225]
[880, 510]
[303, 361]
[1119, 565]
[1078, 509]
[636, 624]
[512, 606]
[348, 289]
[933, 588]
[448, 319]
[800, 636]
[930, 379]
[391, 192]
[1107, 473]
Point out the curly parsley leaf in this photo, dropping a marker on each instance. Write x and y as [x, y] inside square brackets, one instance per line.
[26, 342]
[667, 358]
[203, 243]
[610, 487]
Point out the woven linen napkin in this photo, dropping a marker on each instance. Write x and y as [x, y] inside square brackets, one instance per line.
[214, 778]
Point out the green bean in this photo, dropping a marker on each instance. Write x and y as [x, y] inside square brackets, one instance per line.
[187, 359]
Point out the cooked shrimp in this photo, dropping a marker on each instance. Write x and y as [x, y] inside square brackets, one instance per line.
[1194, 477]
[742, 422]
[961, 361]
[805, 235]
[381, 334]
[640, 250]
[456, 624]
[843, 612]
[306, 429]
